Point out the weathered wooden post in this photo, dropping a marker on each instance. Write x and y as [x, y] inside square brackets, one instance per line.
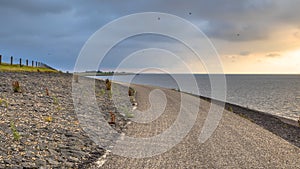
[0, 59]
[76, 78]
[11, 60]
[26, 62]
[112, 118]
[32, 63]
[35, 63]
[20, 62]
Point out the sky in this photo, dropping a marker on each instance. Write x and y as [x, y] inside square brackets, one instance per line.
[250, 36]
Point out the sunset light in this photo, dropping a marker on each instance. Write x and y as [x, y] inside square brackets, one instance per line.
[150, 84]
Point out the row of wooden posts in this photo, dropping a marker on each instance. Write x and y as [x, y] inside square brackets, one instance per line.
[37, 64]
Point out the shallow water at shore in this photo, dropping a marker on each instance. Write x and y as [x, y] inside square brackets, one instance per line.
[274, 94]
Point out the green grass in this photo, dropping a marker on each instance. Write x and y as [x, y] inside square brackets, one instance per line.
[127, 112]
[110, 94]
[4, 67]
[55, 100]
[48, 119]
[14, 131]
[230, 109]
[59, 108]
[3, 101]
[245, 117]
[102, 91]
[129, 115]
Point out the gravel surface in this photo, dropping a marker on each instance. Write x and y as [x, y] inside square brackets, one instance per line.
[236, 143]
[285, 128]
[51, 135]
[42, 113]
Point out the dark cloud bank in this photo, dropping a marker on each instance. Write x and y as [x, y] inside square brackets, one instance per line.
[55, 31]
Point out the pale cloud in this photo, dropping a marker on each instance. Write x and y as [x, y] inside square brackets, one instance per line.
[245, 53]
[297, 34]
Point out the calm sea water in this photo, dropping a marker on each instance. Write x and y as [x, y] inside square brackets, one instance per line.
[275, 94]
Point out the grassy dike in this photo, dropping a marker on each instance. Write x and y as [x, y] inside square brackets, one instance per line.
[4, 67]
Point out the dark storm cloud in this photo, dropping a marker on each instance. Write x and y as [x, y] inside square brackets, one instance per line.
[230, 31]
[34, 7]
[54, 31]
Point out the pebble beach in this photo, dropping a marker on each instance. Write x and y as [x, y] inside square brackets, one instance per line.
[38, 125]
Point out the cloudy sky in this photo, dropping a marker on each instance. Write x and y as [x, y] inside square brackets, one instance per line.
[250, 36]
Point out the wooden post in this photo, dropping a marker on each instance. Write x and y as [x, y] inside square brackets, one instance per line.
[11, 60]
[76, 78]
[112, 118]
[20, 62]
[35, 63]
[26, 62]
[32, 63]
[0, 59]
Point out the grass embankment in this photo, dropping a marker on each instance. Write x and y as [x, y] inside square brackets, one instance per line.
[17, 68]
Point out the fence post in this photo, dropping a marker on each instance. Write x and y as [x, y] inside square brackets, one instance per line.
[20, 62]
[11, 60]
[0, 59]
[26, 62]
[35, 63]
[32, 63]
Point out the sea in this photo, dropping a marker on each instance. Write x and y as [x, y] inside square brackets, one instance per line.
[275, 94]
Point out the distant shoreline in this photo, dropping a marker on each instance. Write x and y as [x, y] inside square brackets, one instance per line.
[102, 74]
[129, 73]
